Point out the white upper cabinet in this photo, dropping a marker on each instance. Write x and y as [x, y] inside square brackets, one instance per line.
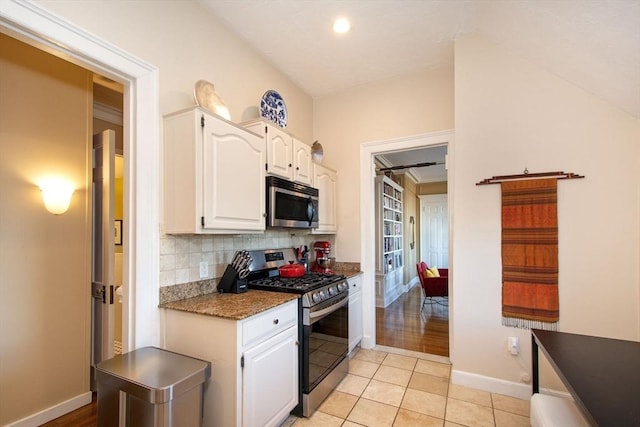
[302, 169]
[287, 157]
[213, 175]
[326, 181]
[279, 150]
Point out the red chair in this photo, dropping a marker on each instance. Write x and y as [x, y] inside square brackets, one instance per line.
[434, 287]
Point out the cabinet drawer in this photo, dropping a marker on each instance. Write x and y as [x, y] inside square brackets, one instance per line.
[355, 284]
[263, 325]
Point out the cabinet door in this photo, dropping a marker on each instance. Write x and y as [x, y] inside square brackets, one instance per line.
[355, 311]
[270, 380]
[302, 169]
[325, 180]
[234, 185]
[279, 152]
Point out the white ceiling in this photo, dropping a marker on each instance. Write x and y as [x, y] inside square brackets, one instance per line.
[594, 44]
[435, 173]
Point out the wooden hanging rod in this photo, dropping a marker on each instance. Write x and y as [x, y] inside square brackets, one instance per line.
[417, 165]
[526, 175]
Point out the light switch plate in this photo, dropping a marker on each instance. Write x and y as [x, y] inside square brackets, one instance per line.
[513, 345]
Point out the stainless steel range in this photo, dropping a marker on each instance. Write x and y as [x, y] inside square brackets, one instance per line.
[324, 323]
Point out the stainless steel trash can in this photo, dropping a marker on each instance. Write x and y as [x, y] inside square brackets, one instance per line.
[151, 387]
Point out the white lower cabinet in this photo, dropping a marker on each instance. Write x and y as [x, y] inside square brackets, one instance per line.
[254, 363]
[270, 391]
[355, 311]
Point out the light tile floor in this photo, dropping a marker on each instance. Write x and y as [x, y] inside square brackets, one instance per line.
[389, 389]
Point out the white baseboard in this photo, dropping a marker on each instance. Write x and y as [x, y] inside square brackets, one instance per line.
[53, 412]
[496, 385]
[490, 384]
[412, 283]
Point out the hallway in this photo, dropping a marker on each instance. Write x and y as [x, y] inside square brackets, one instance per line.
[403, 325]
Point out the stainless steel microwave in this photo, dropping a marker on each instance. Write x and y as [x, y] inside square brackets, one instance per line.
[291, 205]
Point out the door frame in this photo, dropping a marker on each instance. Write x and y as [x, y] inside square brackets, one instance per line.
[38, 27]
[368, 151]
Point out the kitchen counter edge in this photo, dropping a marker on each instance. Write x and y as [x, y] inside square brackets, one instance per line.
[348, 273]
[231, 306]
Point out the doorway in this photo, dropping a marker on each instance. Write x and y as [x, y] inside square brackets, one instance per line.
[367, 170]
[406, 320]
[38, 27]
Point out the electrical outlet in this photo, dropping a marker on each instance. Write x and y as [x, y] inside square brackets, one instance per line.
[204, 269]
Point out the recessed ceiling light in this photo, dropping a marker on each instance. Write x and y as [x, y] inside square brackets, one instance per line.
[341, 25]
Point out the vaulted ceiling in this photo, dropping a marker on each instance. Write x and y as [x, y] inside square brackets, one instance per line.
[594, 44]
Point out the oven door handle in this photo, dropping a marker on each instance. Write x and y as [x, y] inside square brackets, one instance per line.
[314, 315]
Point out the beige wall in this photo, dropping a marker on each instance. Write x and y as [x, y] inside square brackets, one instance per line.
[410, 209]
[510, 115]
[432, 188]
[412, 104]
[44, 259]
[187, 44]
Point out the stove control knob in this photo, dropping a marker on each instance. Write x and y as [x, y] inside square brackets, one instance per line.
[315, 297]
[332, 290]
[323, 296]
[342, 286]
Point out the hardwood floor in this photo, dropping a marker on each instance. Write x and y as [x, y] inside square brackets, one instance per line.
[403, 325]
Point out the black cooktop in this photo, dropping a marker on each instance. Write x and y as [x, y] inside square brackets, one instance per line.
[298, 285]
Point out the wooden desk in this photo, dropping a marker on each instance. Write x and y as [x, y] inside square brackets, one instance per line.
[602, 374]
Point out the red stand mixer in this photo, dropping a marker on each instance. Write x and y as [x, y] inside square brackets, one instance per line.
[323, 261]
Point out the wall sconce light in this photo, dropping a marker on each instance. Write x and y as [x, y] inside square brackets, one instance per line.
[56, 194]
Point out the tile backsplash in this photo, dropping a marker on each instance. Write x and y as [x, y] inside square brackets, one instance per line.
[180, 256]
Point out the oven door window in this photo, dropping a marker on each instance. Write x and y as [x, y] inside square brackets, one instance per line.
[325, 345]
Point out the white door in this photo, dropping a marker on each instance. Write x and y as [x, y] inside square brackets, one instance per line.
[434, 230]
[103, 234]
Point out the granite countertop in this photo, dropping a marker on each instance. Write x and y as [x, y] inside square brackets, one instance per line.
[348, 273]
[231, 306]
[347, 269]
